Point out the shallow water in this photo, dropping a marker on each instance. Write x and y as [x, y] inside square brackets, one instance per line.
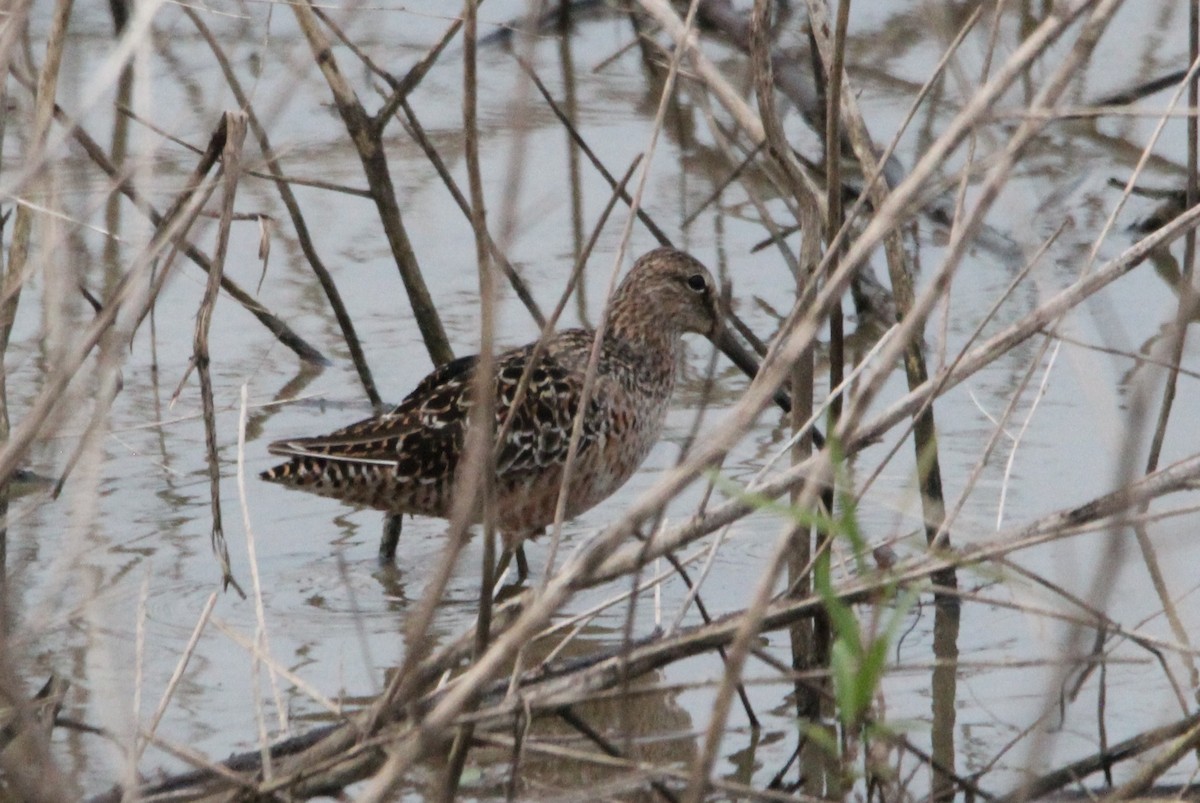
[107, 582]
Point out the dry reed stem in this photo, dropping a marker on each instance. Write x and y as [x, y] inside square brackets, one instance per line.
[125, 186]
[17, 269]
[997, 431]
[257, 649]
[1189, 301]
[802, 328]
[147, 734]
[970, 160]
[283, 187]
[367, 141]
[924, 429]
[6, 315]
[727, 345]
[475, 483]
[1143, 782]
[129, 779]
[505, 648]
[809, 641]
[262, 642]
[578, 140]
[233, 127]
[519, 285]
[1073, 772]
[41, 141]
[1043, 347]
[175, 225]
[649, 774]
[481, 459]
[795, 338]
[548, 331]
[1101, 588]
[396, 102]
[551, 692]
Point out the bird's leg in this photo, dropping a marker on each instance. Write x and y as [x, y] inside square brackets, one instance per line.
[522, 564]
[391, 537]
[502, 564]
[507, 555]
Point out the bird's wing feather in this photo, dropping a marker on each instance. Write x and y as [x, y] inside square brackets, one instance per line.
[424, 435]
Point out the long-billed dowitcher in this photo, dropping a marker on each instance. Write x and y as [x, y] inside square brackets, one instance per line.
[405, 461]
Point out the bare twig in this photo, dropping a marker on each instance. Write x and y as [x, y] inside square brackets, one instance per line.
[367, 139]
[234, 132]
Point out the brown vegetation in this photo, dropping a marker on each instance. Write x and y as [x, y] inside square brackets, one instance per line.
[536, 700]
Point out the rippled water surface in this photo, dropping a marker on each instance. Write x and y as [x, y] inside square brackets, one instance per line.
[107, 582]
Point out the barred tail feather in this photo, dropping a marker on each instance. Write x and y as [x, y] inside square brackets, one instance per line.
[297, 472]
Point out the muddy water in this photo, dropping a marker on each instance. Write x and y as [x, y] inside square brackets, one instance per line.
[107, 582]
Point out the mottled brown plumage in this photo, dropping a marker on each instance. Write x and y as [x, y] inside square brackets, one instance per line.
[406, 461]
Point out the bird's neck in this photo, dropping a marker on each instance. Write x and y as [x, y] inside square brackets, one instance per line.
[651, 335]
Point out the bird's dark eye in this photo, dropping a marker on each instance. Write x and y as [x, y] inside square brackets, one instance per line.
[697, 282]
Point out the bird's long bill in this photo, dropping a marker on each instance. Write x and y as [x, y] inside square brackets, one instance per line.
[726, 341]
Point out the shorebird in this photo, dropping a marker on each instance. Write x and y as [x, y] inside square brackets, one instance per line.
[406, 461]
